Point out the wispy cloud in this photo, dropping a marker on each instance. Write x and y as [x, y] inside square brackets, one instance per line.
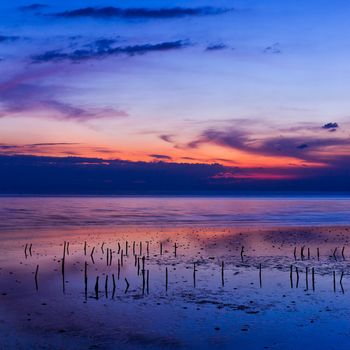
[160, 156]
[273, 49]
[104, 50]
[167, 138]
[139, 13]
[19, 97]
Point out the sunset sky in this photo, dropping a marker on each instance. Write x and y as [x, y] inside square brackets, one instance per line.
[261, 87]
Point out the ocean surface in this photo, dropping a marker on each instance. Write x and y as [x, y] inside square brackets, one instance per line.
[174, 273]
[23, 213]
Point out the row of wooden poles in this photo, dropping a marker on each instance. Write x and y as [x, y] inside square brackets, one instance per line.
[145, 273]
[303, 254]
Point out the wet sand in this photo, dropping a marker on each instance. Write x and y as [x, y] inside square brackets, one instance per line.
[243, 288]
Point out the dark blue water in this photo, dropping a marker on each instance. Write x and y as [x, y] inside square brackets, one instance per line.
[46, 212]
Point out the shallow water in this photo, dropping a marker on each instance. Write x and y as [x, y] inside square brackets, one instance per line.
[208, 294]
[196, 308]
[47, 212]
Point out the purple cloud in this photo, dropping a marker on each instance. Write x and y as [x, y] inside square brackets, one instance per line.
[105, 51]
[21, 97]
[160, 156]
[137, 13]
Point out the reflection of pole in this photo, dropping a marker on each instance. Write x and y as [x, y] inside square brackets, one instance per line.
[260, 276]
[36, 277]
[166, 278]
[222, 274]
[85, 280]
[194, 275]
[96, 287]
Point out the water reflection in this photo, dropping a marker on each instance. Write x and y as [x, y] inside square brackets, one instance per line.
[142, 287]
[29, 213]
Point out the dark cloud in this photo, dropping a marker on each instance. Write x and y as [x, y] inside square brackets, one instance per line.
[94, 175]
[139, 13]
[9, 38]
[331, 126]
[52, 144]
[216, 47]
[104, 50]
[20, 97]
[167, 138]
[273, 49]
[160, 156]
[78, 175]
[8, 147]
[307, 148]
[33, 7]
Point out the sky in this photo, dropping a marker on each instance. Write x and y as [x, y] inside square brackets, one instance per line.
[257, 87]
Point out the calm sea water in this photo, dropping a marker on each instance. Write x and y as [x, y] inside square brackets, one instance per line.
[45, 212]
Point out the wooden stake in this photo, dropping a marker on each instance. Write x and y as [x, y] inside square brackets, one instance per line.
[92, 255]
[335, 253]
